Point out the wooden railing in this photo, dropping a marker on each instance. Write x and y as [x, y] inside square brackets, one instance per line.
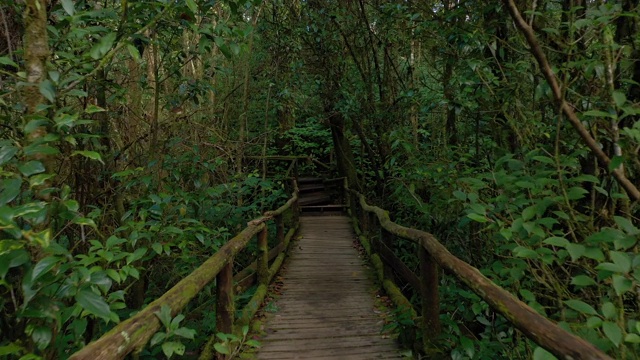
[433, 255]
[132, 335]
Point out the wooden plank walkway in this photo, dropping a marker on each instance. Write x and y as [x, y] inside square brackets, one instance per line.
[326, 310]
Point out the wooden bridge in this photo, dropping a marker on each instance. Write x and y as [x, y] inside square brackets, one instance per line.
[326, 309]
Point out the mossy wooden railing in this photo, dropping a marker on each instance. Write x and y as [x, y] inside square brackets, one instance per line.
[433, 255]
[132, 335]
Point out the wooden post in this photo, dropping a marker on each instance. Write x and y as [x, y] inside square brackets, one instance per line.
[430, 297]
[280, 229]
[386, 240]
[263, 257]
[225, 308]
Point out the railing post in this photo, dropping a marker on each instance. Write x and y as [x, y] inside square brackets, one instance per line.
[386, 240]
[280, 229]
[430, 297]
[263, 257]
[225, 308]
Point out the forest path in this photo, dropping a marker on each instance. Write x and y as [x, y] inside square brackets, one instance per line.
[327, 309]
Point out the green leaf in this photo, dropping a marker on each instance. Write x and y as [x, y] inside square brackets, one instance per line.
[619, 98]
[477, 217]
[114, 275]
[192, 6]
[542, 354]
[7, 152]
[67, 5]
[626, 225]
[43, 266]
[598, 113]
[621, 284]
[557, 241]
[92, 109]
[157, 338]
[103, 46]
[40, 179]
[622, 260]
[7, 61]
[31, 167]
[576, 193]
[583, 280]
[133, 51]
[42, 336]
[222, 348]
[164, 315]
[185, 333]
[615, 163]
[171, 347]
[613, 332]
[89, 154]
[609, 311]
[632, 338]
[11, 189]
[157, 247]
[460, 195]
[529, 212]
[594, 322]
[524, 252]
[48, 90]
[581, 307]
[138, 254]
[93, 303]
[576, 251]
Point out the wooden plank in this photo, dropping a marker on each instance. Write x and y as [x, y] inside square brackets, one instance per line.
[327, 309]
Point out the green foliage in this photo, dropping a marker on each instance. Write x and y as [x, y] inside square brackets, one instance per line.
[167, 339]
[231, 344]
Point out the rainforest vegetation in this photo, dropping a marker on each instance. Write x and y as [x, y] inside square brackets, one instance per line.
[134, 138]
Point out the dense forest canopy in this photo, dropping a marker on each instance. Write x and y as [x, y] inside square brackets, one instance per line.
[134, 139]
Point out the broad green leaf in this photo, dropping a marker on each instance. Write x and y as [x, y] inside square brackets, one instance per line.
[102, 47]
[460, 195]
[524, 252]
[164, 315]
[581, 307]
[42, 336]
[609, 311]
[92, 109]
[557, 241]
[576, 251]
[10, 190]
[221, 348]
[157, 247]
[48, 90]
[43, 266]
[632, 338]
[582, 280]
[7, 152]
[622, 260]
[626, 225]
[114, 275]
[93, 303]
[594, 322]
[542, 354]
[171, 347]
[613, 332]
[40, 179]
[598, 113]
[615, 163]
[7, 61]
[89, 154]
[157, 338]
[84, 221]
[31, 167]
[621, 284]
[137, 254]
[192, 6]
[133, 51]
[185, 333]
[477, 217]
[529, 212]
[619, 98]
[576, 193]
[67, 5]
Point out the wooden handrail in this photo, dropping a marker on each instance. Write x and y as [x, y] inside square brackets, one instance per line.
[134, 333]
[538, 328]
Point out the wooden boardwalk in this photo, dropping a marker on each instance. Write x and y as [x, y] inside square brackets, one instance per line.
[326, 310]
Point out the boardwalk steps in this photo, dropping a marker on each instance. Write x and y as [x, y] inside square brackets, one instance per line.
[326, 310]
